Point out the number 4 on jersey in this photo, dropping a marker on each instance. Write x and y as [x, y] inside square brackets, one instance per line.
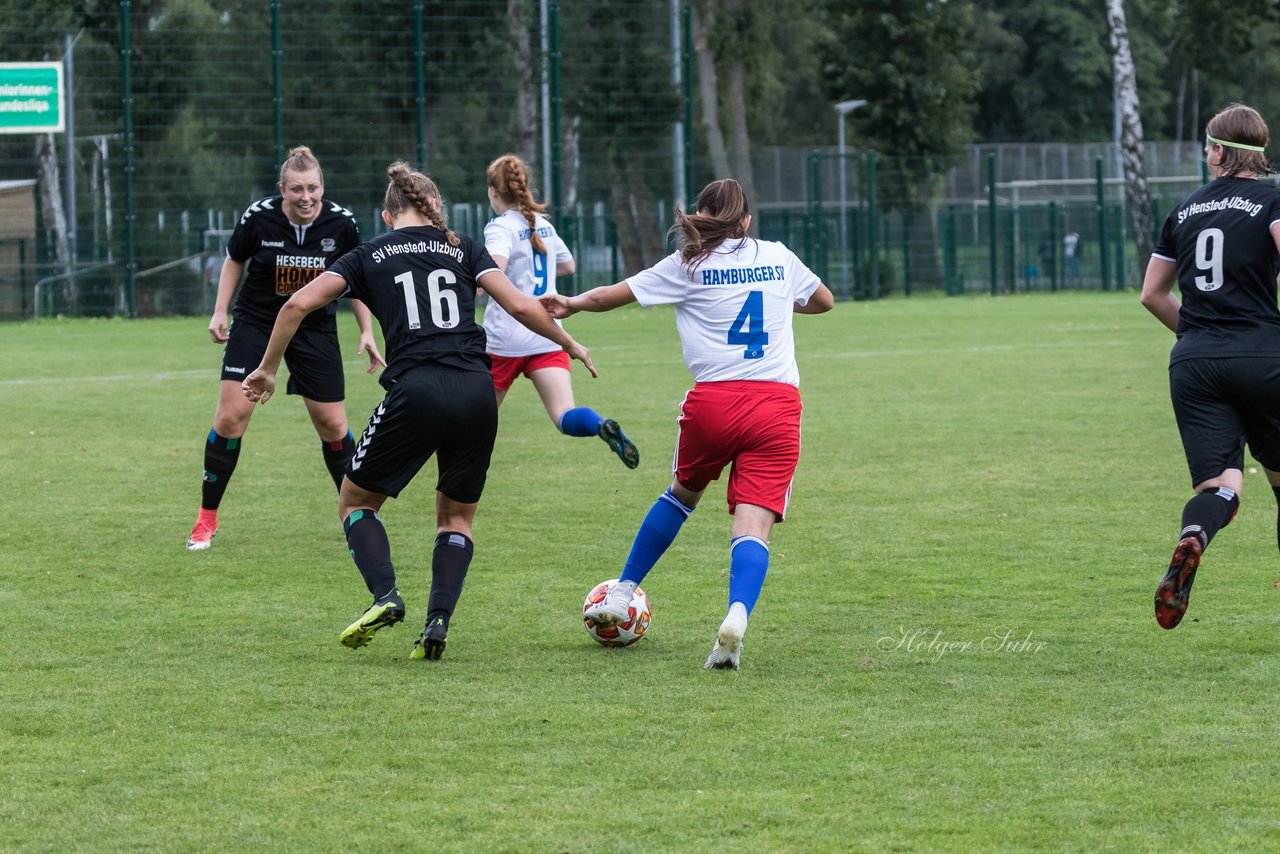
[748, 327]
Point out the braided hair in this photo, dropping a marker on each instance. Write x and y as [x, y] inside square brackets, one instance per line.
[410, 189]
[509, 178]
[720, 209]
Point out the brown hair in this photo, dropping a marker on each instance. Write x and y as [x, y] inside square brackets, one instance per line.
[409, 188]
[509, 177]
[1242, 124]
[300, 159]
[720, 209]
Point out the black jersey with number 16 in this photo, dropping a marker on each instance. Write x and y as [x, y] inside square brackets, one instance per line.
[1220, 238]
[422, 289]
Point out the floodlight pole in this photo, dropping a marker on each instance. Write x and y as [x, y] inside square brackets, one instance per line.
[843, 108]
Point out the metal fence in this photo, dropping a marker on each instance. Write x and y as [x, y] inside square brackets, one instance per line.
[178, 119]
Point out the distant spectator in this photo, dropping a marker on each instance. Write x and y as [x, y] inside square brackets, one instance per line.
[1070, 245]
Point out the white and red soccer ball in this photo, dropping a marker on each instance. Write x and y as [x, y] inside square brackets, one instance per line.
[629, 630]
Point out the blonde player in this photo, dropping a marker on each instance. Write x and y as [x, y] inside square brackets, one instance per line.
[734, 297]
[525, 246]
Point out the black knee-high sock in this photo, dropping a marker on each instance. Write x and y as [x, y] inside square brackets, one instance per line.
[1276, 491]
[371, 550]
[336, 457]
[449, 562]
[1209, 512]
[220, 455]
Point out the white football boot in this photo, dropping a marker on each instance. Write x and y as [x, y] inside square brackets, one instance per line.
[727, 652]
[615, 608]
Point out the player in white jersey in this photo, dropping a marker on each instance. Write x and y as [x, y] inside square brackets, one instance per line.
[734, 298]
[524, 244]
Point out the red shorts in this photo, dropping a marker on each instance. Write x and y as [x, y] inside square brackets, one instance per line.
[753, 425]
[506, 368]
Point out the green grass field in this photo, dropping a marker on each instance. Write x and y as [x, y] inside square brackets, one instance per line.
[955, 649]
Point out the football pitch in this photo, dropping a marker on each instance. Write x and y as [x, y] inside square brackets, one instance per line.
[955, 649]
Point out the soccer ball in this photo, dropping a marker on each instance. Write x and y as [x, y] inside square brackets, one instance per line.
[628, 631]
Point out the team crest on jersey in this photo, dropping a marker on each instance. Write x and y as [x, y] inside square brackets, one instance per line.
[327, 244]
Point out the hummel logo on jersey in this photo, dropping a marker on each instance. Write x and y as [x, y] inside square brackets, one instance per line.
[259, 205]
[274, 244]
[357, 459]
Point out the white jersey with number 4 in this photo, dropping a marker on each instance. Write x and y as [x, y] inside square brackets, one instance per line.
[734, 309]
[533, 273]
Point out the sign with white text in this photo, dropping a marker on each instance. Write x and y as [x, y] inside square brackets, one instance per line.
[31, 97]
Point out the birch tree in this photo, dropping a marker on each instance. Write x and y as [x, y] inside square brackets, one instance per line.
[1136, 194]
[525, 133]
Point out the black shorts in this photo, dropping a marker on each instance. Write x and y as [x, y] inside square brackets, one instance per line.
[313, 356]
[449, 413]
[1222, 404]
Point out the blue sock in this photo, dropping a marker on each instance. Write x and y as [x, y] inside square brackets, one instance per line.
[582, 421]
[657, 532]
[748, 563]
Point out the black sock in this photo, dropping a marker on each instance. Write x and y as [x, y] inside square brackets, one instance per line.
[449, 562]
[371, 550]
[336, 457]
[1208, 512]
[220, 455]
[1276, 491]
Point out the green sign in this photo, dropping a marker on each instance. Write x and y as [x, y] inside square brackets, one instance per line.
[31, 97]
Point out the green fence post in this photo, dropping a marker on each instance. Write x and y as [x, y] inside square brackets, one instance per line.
[130, 236]
[553, 19]
[1104, 260]
[1055, 241]
[873, 225]
[991, 220]
[814, 245]
[906, 253]
[420, 84]
[687, 60]
[277, 82]
[1011, 255]
[1118, 211]
[950, 275]
[22, 275]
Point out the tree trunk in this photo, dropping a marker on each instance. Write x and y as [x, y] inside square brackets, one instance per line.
[1137, 196]
[652, 246]
[570, 163]
[708, 91]
[52, 215]
[524, 135]
[624, 215]
[742, 170]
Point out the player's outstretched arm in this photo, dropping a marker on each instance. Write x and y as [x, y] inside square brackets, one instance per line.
[533, 315]
[603, 298]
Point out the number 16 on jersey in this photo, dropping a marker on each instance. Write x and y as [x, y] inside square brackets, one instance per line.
[443, 303]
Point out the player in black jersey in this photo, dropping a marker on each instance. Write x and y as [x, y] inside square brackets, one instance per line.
[284, 241]
[1222, 247]
[420, 281]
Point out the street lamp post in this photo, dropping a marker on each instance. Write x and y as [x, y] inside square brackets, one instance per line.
[843, 109]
